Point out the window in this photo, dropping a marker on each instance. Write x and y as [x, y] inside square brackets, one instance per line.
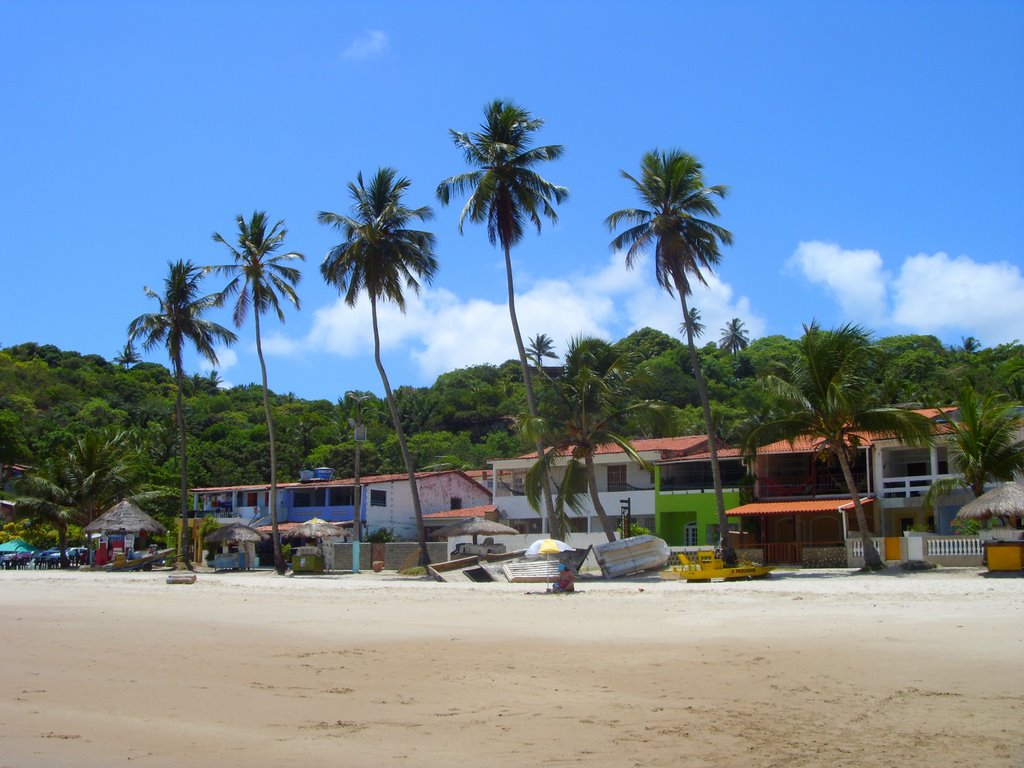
[378, 498]
[455, 502]
[313, 497]
[617, 477]
[690, 535]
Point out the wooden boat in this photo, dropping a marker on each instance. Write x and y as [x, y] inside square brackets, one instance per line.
[707, 566]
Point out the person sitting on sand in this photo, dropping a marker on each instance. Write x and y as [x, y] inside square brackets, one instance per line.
[566, 579]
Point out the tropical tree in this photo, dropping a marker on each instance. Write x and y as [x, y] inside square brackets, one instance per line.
[674, 197]
[382, 256]
[734, 337]
[695, 324]
[261, 278]
[75, 486]
[541, 347]
[179, 323]
[128, 356]
[827, 394]
[593, 400]
[983, 434]
[506, 192]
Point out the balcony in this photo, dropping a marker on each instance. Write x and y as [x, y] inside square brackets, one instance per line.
[801, 486]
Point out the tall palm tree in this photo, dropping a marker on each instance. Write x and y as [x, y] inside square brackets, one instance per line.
[985, 445]
[827, 393]
[593, 400]
[695, 324]
[262, 277]
[672, 191]
[127, 357]
[382, 256]
[506, 192]
[734, 337]
[179, 322]
[541, 347]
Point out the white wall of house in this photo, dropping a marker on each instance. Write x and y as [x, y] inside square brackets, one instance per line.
[436, 494]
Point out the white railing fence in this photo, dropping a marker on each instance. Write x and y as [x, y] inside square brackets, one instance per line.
[952, 546]
[857, 547]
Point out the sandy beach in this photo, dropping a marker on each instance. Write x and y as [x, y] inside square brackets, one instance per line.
[808, 668]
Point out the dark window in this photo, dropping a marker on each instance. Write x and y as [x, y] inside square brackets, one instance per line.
[456, 502]
[314, 497]
[378, 498]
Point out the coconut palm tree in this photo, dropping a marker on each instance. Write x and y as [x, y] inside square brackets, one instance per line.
[734, 337]
[382, 257]
[506, 192]
[983, 433]
[75, 486]
[827, 394]
[695, 324]
[593, 400]
[261, 278]
[674, 197]
[541, 347]
[128, 356]
[179, 323]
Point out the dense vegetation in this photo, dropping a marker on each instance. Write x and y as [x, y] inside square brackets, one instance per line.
[48, 397]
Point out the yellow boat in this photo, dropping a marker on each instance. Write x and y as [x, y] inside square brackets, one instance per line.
[709, 565]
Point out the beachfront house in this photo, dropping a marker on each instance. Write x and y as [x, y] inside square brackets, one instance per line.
[386, 500]
[799, 509]
[623, 484]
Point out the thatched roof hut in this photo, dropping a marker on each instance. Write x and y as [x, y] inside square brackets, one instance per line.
[1006, 501]
[124, 516]
[474, 527]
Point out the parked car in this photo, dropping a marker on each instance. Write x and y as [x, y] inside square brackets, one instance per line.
[48, 558]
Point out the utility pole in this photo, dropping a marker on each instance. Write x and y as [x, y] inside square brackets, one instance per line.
[359, 435]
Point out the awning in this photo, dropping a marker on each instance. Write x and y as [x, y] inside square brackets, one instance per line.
[816, 506]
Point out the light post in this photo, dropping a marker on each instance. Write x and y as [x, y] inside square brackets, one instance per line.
[359, 435]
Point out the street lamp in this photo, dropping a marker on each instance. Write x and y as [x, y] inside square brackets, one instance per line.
[359, 435]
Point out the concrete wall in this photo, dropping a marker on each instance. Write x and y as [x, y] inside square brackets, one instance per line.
[435, 493]
[395, 554]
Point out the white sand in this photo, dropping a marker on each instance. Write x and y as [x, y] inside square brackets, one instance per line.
[814, 668]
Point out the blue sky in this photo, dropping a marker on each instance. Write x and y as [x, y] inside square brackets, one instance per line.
[873, 152]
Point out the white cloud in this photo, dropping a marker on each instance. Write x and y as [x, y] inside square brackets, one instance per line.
[371, 43]
[937, 293]
[226, 358]
[441, 332]
[855, 279]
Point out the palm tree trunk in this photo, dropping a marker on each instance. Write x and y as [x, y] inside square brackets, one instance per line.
[606, 523]
[62, 542]
[872, 560]
[279, 564]
[554, 524]
[421, 530]
[184, 562]
[728, 553]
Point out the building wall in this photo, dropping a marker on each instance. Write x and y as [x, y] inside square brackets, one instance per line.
[673, 510]
[435, 496]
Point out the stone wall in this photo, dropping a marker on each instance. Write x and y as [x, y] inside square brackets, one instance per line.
[824, 557]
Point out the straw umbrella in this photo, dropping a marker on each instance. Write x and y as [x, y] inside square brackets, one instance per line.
[124, 516]
[1006, 501]
[238, 533]
[315, 529]
[477, 526]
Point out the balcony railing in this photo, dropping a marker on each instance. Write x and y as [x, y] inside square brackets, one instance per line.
[909, 487]
[788, 487]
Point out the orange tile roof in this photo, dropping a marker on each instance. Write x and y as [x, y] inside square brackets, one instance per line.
[683, 445]
[459, 514]
[794, 507]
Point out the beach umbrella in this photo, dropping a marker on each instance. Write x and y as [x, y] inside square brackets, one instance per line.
[315, 529]
[546, 548]
[236, 532]
[1006, 501]
[477, 526]
[17, 545]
